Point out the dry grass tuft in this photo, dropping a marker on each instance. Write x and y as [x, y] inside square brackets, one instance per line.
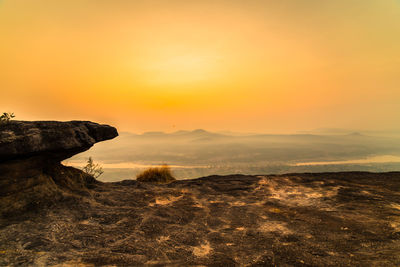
[158, 175]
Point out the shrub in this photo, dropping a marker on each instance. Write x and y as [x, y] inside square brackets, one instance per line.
[158, 175]
[6, 117]
[93, 169]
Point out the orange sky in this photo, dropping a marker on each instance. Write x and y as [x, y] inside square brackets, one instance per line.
[260, 66]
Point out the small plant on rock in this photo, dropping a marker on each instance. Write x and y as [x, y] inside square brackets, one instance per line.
[158, 175]
[93, 169]
[6, 117]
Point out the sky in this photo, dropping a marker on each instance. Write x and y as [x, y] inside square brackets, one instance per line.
[247, 66]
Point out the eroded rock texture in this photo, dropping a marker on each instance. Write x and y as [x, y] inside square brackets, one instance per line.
[52, 140]
[31, 174]
[328, 219]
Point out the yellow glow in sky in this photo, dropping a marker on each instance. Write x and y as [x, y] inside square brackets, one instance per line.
[264, 66]
[178, 68]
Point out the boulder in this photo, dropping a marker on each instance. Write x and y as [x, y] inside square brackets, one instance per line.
[52, 140]
[31, 173]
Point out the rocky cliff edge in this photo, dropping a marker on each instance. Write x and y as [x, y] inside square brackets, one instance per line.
[30, 154]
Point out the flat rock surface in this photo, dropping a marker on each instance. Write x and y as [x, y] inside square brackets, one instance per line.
[327, 219]
[54, 140]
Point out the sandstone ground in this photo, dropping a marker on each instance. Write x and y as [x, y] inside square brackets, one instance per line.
[327, 219]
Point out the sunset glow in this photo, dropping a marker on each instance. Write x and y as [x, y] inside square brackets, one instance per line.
[262, 66]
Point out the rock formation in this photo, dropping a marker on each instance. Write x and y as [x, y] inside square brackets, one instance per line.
[30, 154]
[326, 219]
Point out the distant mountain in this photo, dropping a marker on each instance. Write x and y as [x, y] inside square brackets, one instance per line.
[180, 132]
[339, 131]
[195, 134]
[200, 133]
[201, 147]
[355, 134]
[153, 133]
[328, 131]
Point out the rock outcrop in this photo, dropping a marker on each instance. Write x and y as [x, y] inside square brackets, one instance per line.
[51, 140]
[30, 154]
[326, 219]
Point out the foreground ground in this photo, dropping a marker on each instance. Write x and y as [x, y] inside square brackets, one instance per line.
[334, 219]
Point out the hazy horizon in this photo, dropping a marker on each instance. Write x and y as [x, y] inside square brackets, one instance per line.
[287, 82]
[316, 131]
[197, 153]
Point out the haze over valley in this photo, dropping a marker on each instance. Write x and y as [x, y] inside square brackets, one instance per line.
[199, 153]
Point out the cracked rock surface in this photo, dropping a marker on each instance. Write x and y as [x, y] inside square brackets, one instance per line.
[326, 219]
